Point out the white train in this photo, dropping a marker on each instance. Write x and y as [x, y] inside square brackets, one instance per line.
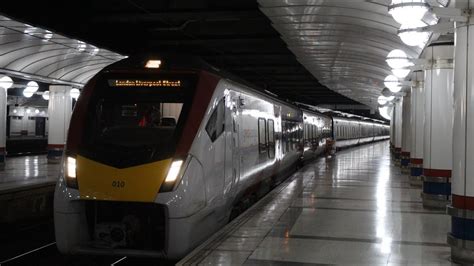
[160, 152]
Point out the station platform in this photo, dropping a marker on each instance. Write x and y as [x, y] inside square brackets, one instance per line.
[27, 189]
[25, 172]
[353, 208]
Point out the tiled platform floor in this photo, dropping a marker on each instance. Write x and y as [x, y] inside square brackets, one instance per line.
[27, 171]
[354, 208]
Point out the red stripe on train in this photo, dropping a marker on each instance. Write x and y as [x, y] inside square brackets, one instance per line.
[205, 88]
[78, 118]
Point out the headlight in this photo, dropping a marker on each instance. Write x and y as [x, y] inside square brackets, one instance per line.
[173, 171]
[172, 178]
[71, 177]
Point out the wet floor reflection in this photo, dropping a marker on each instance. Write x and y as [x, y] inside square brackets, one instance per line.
[352, 208]
[25, 170]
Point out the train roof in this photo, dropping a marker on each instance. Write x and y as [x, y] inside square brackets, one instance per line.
[305, 108]
[190, 62]
[339, 114]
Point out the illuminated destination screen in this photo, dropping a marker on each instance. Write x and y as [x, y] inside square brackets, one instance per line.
[130, 83]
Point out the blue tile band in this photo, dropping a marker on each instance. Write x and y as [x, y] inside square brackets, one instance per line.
[55, 154]
[416, 171]
[462, 228]
[437, 188]
[405, 162]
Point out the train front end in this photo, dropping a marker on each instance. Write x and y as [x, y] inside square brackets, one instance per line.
[128, 185]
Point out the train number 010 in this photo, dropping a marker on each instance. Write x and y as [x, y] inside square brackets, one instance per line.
[118, 184]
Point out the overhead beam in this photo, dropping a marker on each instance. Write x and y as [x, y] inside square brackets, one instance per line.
[180, 15]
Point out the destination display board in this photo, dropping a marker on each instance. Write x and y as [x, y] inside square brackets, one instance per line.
[130, 83]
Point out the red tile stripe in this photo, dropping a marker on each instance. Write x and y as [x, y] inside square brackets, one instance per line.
[416, 161]
[436, 173]
[55, 146]
[463, 202]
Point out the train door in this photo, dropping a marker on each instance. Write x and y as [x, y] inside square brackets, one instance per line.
[232, 153]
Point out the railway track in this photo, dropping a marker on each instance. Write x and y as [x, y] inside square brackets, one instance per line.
[34, 245]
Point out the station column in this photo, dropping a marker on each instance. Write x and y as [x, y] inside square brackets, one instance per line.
[417, 126]
[392, 131]
[59, 113]
[3, 125]
[397, 130]
[438, 127]
[461, 237]
[406, 133]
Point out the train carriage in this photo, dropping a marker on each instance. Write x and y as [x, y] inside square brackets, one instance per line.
[317, 133]
[161, 150]
[156, 158]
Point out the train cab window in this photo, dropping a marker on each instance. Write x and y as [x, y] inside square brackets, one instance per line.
[271, 138]
[262, 138]
[216, 124]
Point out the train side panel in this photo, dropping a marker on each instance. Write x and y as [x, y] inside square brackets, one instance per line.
[255, 144]
[317, 132]
[348, 132]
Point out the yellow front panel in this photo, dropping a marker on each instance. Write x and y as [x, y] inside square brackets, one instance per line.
[102, 182]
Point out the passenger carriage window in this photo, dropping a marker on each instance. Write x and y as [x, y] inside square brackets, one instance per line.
[216, 124]
[262, 138]
[283, 137]
[271, 138]
[307, 132]
[289, 127]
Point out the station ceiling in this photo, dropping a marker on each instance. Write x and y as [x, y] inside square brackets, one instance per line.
[35, 53]
[236, 36]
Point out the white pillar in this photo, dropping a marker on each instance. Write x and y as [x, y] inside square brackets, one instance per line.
[392, 130]
[406, 133]
[417, 116]
[59, 113]
[461, 237]
[438, 130]
[3, 125]
[397, 131]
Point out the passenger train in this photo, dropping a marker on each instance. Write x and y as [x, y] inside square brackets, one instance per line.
[159, 152]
